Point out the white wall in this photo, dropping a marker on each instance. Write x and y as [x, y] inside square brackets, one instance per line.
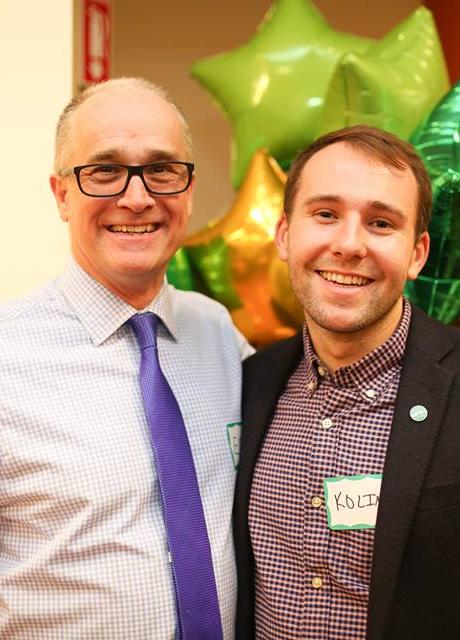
[36, 80]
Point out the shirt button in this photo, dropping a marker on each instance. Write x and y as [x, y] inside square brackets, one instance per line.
[310, 386]
[326, 423]
[316, 583]
[321, 371]
[370, 393]
[316, 502]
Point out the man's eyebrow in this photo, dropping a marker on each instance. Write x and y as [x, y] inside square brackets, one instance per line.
[385, 207]
[323, 197]
[161, 156]
[108, 155]
[117, 156]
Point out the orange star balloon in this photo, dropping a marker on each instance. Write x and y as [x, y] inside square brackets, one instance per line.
[237, 253]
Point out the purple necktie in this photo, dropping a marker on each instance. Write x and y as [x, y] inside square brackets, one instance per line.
[196, 594]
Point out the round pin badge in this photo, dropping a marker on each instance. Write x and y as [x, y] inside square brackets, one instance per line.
[418, 413]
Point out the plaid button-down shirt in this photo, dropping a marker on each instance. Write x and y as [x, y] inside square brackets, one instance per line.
[313, 582]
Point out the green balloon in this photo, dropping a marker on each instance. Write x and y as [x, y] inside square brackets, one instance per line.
[437, 139]
[205, 268]
[179, 272]
[437, 289]
[272, 88]
[394, 84]
[212, 264]
[444, 259]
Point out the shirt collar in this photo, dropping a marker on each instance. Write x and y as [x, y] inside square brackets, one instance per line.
[374, 368]
[101, 312]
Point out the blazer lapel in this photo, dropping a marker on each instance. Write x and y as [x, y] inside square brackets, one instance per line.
[261, 392]
[264, 381]
[423, 382]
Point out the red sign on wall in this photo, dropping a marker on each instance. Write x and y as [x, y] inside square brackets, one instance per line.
[96, 41]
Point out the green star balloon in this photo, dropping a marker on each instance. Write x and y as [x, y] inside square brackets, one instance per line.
[180, 271]
[394, 84]
[272, 88]
[437, 140]
[205, 268]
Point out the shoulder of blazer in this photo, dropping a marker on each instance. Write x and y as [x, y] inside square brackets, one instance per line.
[438, 341]
[430, 369]
[271, 367]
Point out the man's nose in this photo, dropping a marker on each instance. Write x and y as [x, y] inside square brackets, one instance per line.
[350, 240]
[136, 197]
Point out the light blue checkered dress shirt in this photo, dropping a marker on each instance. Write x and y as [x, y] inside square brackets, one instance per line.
[82, 543]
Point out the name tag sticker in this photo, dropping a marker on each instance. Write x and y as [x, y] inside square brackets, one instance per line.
[352, 501]
[234, 437]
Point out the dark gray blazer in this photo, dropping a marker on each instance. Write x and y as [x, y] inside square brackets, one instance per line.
[415, 580]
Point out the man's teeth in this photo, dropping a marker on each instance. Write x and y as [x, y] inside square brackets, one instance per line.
[126, 228]
[343, 279]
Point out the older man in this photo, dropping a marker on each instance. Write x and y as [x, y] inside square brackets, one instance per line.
[348, 494]
[119, 400]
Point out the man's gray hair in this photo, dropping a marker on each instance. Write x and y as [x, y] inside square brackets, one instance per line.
[64, 125]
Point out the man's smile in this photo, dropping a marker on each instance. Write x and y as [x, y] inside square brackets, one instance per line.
[125, 228]
[344, 279]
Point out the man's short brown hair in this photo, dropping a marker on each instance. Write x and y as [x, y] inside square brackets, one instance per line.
[385, 148]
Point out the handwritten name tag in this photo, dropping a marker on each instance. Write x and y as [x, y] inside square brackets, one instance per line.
[234, 437]
[352, 501]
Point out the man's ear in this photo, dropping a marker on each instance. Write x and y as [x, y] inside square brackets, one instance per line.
[419, 256]
[281, 237]
[60, 187]
[190, 194]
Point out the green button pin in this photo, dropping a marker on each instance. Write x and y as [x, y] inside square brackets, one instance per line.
[418, 413]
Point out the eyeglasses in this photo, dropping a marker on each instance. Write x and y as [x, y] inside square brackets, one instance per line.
[106, 180]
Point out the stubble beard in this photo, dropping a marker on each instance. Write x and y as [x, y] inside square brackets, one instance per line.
[350, 319]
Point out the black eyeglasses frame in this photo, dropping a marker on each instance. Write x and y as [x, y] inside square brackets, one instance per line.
[133, 170]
